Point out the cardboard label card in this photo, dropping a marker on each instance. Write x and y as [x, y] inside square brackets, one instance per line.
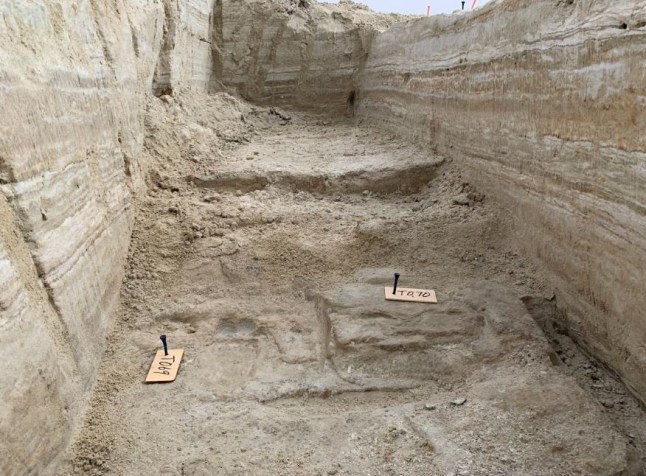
[410, 295]
[165, 367]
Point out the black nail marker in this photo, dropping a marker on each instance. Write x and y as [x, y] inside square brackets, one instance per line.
[395, 285]
[163, 339]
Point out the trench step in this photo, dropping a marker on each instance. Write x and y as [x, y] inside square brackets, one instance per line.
[406, 179]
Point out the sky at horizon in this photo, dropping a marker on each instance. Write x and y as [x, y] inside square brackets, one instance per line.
[415, 6]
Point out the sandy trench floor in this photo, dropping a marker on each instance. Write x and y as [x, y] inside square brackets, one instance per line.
[262, 246]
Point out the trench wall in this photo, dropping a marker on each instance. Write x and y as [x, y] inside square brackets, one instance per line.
[305, 57]
[74, 80]
[544, 101]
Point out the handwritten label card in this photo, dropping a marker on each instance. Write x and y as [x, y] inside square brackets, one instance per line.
[410, 295]
[165, 367]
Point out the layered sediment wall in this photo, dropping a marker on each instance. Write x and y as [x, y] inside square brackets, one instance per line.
[72, 83]
[187, 56]
[544, 101]
[74, 78]
[289, 53]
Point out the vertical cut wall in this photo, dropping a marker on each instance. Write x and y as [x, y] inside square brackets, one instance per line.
[74, 81]
[187, 53]
[545, 102]
[282, 53]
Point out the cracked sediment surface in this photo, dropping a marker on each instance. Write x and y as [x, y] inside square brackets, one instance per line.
[262, 247]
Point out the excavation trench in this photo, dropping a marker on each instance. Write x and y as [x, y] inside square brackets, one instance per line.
[262, 249]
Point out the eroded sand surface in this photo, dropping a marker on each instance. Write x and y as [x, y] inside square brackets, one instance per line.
[261, 248]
